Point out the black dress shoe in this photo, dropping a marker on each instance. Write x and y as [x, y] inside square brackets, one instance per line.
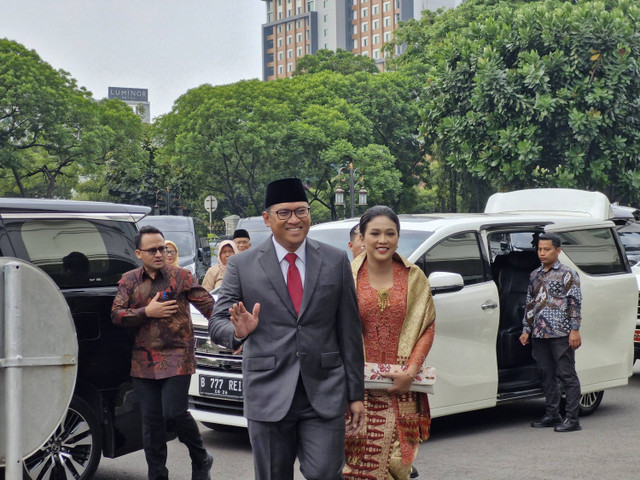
[414, 472]
[547, 421]
[569, 425]
[202, 472]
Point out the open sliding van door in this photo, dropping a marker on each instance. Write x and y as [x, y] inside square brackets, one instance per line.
[609, 302]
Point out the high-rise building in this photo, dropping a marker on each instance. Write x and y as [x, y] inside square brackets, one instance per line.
[296, 28]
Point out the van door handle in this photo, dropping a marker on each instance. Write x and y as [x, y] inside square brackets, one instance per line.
[489, 305]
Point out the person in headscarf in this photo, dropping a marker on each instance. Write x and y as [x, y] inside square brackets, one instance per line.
[214, 275]
[172, 252]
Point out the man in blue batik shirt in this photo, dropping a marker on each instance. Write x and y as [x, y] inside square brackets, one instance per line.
[552, 319]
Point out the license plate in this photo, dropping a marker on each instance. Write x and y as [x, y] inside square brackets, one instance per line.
[215, 386]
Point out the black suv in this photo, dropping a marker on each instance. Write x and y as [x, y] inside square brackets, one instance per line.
[85, 247]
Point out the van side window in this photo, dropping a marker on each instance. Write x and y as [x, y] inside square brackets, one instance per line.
[594, 251]
[76, 252]
[458, 254]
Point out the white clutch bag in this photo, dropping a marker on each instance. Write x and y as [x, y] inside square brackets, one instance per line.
[373, 379]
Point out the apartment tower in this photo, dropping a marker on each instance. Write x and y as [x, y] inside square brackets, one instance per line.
[296, 28]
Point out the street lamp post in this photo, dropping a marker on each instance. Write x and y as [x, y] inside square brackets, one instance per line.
[362, 194]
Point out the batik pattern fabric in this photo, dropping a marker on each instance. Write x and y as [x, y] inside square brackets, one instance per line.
[553, 302]
[163, 347]
[395, 424]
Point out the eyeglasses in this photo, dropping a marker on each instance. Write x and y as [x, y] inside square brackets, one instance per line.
[285, 214]
[154, 250]
[171, 252]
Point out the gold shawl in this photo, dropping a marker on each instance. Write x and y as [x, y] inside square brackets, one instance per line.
[421, 311]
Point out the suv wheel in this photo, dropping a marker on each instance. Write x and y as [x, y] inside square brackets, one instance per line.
[74, 449]
[589, 402]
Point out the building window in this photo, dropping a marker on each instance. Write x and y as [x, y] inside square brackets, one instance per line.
[299, 52]
[375, 24]
[397, 18]
[365, 54]
[386, 6]
[375, 39]
[311, 6]
[280, 69]
[279, 28]
[325, 32]
[280, 56]
[364, 41]
[355, 14]
[280, 42]
[289, 67]
[299, 37]
[376, 53]
[387, 37]
[307, 49]
[355, 29]
[289, 40]
[364, 12]
[299, 10]
[279, 15]
[299, 24]
[325, 18]
[387, 21]
[376, 10]
[289, 26]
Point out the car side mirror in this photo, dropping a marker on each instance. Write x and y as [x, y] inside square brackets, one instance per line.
[445, 282]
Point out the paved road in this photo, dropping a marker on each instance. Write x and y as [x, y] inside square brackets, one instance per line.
[492, 444]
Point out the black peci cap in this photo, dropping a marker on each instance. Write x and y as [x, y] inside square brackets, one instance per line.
[241, 233]
[285, 190]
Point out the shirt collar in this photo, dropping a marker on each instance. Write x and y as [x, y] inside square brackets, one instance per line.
[281, 252]
[143, 273]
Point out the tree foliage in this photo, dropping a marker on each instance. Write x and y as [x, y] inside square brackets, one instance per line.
[340, 61]
[231, 140]
[534, 94]
[53, 135]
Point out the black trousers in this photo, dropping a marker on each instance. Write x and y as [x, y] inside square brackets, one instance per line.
[317, 442]
[163, 403]
[556, 361]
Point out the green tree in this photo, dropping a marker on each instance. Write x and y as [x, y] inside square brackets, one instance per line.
[52, 133]
[536, 94]
[340, 61]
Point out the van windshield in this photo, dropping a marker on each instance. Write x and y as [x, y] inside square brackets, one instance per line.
[184, 241]
[408, 242]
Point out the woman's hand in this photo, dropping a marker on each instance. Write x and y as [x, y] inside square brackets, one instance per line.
[401, 381]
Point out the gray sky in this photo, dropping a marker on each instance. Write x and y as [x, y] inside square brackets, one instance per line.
[166, 46]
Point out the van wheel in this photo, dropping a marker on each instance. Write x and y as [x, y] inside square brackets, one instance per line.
[589, 402]
[74, 449]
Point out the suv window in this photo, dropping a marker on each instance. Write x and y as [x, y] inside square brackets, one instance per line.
[459, 253]
[594, 251]
[76, 252]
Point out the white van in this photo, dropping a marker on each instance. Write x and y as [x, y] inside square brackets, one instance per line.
[479, 267]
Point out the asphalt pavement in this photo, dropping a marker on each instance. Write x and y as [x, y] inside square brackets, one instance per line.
[491, 444]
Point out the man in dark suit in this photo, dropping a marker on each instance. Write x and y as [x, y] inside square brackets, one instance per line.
[291, 302]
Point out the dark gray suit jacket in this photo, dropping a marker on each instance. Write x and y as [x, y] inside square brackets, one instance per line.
[323, 344]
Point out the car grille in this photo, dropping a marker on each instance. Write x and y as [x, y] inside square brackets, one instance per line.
[215, 357]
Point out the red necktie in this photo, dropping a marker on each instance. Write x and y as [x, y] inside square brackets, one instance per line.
[294, 283]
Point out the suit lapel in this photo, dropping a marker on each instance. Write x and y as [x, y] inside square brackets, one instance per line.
[311, 273]
[269, 262]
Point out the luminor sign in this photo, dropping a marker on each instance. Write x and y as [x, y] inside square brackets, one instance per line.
[129, 94]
